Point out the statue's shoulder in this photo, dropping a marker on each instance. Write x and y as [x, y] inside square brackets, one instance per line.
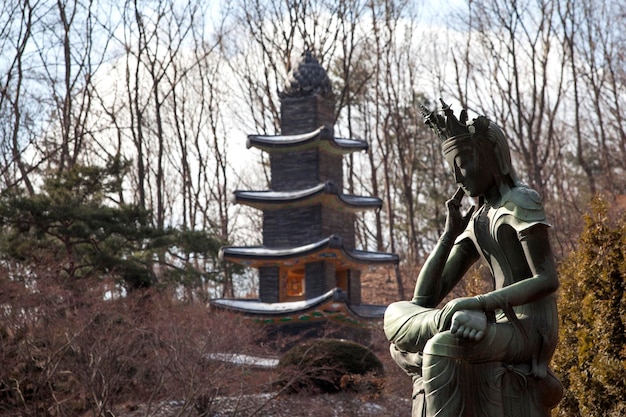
[522, 199]
[521, 208]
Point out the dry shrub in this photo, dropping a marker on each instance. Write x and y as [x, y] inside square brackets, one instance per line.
[66, 351]
[318, 365]
[370, 385]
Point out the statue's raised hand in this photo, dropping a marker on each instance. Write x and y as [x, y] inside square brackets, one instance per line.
[456, 222]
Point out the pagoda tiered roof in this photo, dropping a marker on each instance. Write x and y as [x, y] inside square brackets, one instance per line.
[329, 249]
[321, 138]
[326, 193]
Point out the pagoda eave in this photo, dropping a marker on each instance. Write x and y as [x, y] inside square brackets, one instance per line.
[320, 138]
[330, 249]
[326, 194]
[326, 307]
[258, 307]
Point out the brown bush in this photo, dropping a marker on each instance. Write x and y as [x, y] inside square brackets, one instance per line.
[318, 365]
[65, 352]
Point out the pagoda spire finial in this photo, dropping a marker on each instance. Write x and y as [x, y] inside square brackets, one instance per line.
[307, 78]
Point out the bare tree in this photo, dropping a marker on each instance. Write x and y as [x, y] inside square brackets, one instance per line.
[514, 71]
[405, 163]
[597, 69]
[157, 86]
[17, 25]
[129, 82]
[175, 84]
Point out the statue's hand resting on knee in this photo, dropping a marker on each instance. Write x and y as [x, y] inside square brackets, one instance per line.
[469, 324]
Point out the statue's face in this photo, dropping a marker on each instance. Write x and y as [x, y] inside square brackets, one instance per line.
[472, 171]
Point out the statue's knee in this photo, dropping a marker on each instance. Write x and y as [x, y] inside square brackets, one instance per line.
[396, 315]
[443, 344]
[399, 309]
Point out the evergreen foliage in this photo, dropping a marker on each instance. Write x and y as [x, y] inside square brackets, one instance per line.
[75, 226]
[591, 358]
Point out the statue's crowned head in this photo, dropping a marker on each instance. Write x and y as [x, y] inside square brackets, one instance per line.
[479, 137]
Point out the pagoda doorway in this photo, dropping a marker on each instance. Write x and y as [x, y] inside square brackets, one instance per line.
[342, 278]
[292, 285]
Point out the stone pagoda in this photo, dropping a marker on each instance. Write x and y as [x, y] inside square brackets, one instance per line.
[309, 268]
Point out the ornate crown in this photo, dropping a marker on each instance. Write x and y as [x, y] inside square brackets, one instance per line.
[449, 127]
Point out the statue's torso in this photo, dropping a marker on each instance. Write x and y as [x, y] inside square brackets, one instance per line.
[496, 234]
[500, 248]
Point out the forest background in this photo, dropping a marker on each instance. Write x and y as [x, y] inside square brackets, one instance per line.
[123, 129]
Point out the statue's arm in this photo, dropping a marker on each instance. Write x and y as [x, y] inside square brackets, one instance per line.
[448, 261]
[543, 280]
[443, 269]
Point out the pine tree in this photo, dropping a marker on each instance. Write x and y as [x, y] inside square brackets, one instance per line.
[74, 227]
